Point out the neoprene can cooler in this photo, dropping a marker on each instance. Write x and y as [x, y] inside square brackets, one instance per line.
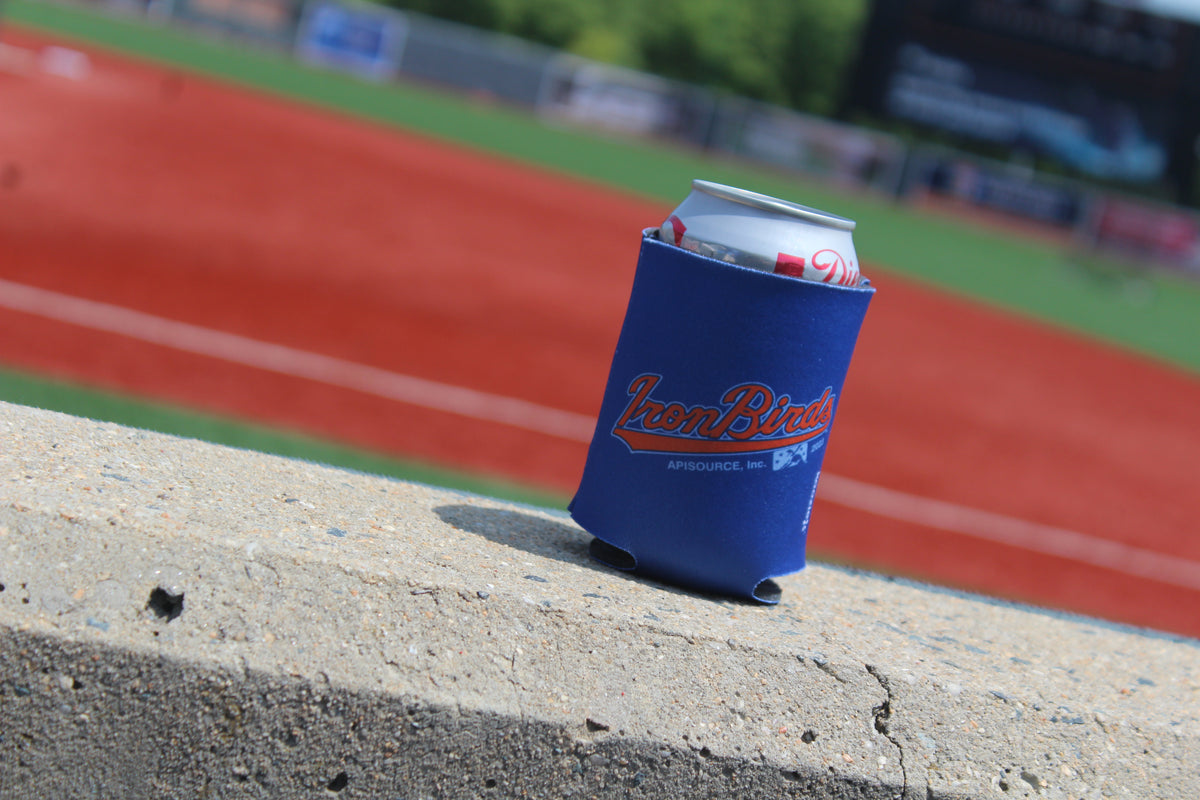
[715, 419]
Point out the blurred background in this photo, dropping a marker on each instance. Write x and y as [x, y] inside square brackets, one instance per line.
[399, 237]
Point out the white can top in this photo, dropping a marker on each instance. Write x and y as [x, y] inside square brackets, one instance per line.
[768, 203]
[764, 233]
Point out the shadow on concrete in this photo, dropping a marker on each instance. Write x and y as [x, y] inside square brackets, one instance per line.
[545, 537]
[529, 532]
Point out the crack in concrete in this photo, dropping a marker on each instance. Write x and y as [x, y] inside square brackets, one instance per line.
[822, 663]
[883, 716]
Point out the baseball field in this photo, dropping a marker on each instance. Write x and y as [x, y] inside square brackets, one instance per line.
[224, 244]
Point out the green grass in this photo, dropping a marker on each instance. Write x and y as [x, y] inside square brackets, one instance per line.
[36, 392]
[1159, 318]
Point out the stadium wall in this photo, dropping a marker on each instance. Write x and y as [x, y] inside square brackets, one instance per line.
[182, 619]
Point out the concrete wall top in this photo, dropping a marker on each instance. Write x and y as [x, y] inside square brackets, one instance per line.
[178, 619]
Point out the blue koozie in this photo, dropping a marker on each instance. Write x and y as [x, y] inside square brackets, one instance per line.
[715, 420]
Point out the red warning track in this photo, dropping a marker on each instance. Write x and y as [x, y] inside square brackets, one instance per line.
[254, 257]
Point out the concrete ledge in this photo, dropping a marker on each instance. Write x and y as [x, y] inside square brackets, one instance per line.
[184, 620]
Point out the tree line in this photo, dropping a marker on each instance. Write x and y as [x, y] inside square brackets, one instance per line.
[792, 53]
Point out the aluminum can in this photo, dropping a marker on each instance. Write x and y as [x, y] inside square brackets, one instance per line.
[764, 233]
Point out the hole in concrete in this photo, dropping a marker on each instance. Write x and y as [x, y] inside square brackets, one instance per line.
[165, 604]
[768, 592]
[791, 775]
[883, 713]
[490, 783]
[1, 587]
[809, 736]
[595, 727]
[614, 557]
[338, 783]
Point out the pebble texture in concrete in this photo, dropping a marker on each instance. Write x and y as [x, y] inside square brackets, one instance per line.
[184, 620]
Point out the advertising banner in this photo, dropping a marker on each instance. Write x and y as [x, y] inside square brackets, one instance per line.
[1100, 136]
[1165, 235]
[271, 22]
[1103, 90]
[996, 186]
[365, 40]
[840, 153]
[603, 96]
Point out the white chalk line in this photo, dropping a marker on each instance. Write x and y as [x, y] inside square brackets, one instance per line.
[296, 363]
[992, 527]
[488, 407]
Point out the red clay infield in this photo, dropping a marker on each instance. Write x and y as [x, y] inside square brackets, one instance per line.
[194, 201]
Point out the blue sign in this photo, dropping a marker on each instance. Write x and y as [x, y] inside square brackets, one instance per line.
[365, 41]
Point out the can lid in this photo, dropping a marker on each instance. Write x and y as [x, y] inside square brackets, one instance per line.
[756, 200]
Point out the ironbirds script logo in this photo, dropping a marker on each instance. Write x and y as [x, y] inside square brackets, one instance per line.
[751, 418]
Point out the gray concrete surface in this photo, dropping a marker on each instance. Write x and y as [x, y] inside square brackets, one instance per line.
[184, 620]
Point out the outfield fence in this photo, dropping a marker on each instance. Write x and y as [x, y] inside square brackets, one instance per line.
[380, 44]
